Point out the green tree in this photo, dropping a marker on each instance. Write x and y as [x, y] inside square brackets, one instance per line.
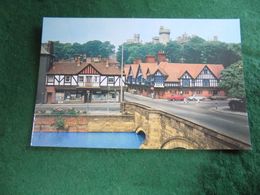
[137, 50]
[232, 79]
[91, 49]
[174, 51]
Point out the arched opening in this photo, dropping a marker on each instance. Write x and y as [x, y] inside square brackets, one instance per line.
[179, 148]
[179, 143]
[141, 135]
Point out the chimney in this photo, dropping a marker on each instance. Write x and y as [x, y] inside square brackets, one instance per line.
[107, 64]
[50, 47]
[150, 59]
[137, 61]
[161, 57]
[78, 61]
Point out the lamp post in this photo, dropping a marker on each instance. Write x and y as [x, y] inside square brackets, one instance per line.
[121, 80]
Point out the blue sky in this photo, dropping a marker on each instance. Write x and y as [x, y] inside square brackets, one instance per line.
[117, 31]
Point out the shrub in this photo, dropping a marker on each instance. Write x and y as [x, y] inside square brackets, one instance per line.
[59, 123]
[71, 111]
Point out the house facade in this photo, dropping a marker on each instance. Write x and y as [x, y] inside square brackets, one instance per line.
[80, 82]
[162, 79]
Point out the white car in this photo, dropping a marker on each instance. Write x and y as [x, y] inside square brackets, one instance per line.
[196, 98]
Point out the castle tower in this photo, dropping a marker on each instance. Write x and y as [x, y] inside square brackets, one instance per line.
[164, 35]
[155, 40]
[136, 38]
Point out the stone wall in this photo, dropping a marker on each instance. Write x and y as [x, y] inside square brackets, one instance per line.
[167, 131]
[85, 123]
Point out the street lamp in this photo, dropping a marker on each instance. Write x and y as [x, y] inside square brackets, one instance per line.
[121, 80]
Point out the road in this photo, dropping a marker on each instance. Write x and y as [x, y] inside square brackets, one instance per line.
[202, 113]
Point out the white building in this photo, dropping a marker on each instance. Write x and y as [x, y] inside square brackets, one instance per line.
[83, 82]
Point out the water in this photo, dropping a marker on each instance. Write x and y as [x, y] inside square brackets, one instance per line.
[129, 140]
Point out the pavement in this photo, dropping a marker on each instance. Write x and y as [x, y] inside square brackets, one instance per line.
[225, 109]
[111, 108]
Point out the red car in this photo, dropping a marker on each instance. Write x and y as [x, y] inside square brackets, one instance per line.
[176, 98]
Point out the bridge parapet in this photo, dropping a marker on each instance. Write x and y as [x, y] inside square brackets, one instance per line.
[167, 131]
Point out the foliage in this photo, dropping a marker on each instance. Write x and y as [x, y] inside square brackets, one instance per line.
[59, 123]
[93, 48]
[193, 50]
[71, 111]
[60, 111]
[232, 79]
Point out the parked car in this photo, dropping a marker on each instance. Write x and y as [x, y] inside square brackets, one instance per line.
[236, 104]
[218, 97]
[176, 98]
[196, 98]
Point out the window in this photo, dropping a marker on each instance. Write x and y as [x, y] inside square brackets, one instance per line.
[185, 82]
[205, 82]
[110, 79]
[88, 79]
[186, 92]
[198, 92]
[67, 78]
[81, 78]
[158, 79]
[96, 78]
[205, 71]
[50, 79]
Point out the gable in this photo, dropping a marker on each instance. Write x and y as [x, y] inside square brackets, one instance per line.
[206, 73]
[89, 70]
[139, 72]
[186, 75]
[130, 73]
[158, 73]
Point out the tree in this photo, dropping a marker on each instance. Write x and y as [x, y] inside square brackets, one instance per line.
[174, 51]
[137, 50]
[193, 50]
[93, 48]
[232, 79]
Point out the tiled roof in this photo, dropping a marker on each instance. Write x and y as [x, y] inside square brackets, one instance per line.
[134, 68]
[72, 67]
[216, 69]
[145, 66]
[126, 69]
[106, 70]
[174, 71]
[66, 67]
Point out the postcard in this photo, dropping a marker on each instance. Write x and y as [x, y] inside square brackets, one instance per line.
[141, 84]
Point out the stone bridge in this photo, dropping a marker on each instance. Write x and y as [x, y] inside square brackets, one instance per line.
[161, 130]
[166, 131]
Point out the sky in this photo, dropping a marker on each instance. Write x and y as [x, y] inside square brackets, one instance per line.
[119, 30]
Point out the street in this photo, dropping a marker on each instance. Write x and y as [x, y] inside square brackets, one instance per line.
[203, 113]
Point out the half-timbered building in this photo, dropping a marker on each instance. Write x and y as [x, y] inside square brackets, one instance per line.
[162, 79]
[74, 81]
